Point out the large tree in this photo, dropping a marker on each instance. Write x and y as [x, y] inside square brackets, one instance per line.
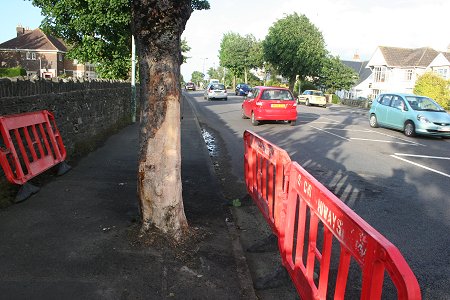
[97, 31]
[294, 46]
[157, 27]
[100, 30]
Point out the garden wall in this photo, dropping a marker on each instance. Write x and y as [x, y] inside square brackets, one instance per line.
[86, 112]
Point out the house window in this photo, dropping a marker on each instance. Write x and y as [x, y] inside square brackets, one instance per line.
[408, 75]
[31, 55]
[379, 74]
[441, 72]
[60, 57]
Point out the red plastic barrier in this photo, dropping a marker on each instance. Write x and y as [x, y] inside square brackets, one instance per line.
[266, 174]
[304, 214]
[32, 145]
[358, 240]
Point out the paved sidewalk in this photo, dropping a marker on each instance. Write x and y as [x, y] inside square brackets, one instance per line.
[78, 237]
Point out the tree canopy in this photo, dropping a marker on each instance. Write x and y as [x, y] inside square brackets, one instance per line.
[434, 86]
[240, 53]
[294, 46]
[335, 75]
[97, 31]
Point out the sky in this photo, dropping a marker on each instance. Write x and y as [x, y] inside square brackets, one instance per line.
[348, 26]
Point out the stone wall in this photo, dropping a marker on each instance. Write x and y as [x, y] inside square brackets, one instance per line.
[86, 112]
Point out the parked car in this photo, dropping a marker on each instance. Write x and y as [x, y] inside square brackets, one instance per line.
[312, 97]
[215, 91]
[269, 103]
[190, 86]
[409, 113]
[242, 89]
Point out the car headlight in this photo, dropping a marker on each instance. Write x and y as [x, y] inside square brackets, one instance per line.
[423, 119]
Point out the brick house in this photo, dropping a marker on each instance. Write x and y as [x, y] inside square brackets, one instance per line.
[42, 55]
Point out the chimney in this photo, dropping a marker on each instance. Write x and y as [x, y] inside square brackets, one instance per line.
[22, 30]
[356, 57]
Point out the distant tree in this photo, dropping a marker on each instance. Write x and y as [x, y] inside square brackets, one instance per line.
[294, 46]
[185, 49]
[435, 87]
[157, 27]
[336, 76]
[239, 53]
[197, 77]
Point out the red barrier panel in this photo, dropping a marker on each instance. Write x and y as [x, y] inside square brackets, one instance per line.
[304, 214]
[266, 174]
[32, 145]
[358, 240]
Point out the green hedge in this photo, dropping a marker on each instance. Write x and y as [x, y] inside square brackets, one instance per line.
[12, 72]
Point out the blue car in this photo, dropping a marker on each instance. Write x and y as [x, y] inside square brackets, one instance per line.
[242, 89]
[409, 113]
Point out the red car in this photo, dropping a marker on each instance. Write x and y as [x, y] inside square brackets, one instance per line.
[269, 103]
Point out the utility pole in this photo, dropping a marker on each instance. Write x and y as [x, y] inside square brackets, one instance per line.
[133, 80]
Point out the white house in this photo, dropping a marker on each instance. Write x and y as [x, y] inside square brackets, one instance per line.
[396, 69]
[362, 87]
[441, 65]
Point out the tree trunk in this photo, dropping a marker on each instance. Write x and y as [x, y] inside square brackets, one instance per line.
[292, 83]
[157, 27]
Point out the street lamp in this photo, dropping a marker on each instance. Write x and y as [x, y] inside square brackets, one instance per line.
[204, 75]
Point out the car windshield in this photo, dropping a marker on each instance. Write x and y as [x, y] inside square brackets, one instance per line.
[317, 93]
[217, 86]
[423, 104]
[276, 95]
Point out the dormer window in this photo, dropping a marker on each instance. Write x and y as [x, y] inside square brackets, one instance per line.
[31, 55]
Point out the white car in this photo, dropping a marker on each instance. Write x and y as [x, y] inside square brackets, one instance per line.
[215, 91]
[312, 97]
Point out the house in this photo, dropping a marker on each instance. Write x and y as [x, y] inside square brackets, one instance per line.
[441, 65]
[397, 69]
[362, 87]
[42, 55]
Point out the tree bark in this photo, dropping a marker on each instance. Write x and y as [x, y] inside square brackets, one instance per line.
[157, 27]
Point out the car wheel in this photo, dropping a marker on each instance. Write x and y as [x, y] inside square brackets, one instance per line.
[373, 121]
[410, 129]
[226, 98]
[307, 102]
[254, 121]
[243, 114]
[293, 122]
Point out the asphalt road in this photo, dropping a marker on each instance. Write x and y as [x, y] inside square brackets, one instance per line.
[399, 185]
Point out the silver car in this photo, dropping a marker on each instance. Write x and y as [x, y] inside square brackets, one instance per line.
[215, 91]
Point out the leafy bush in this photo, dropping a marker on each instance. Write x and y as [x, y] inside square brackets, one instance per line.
[12, 72]
[435, 87]
[336, 99]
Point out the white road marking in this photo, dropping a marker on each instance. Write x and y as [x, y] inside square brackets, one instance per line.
[344, 129]
[344, 138]
[316, 122]
[384, 141]
[385, 134]
[422, 156]
[421, 166]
